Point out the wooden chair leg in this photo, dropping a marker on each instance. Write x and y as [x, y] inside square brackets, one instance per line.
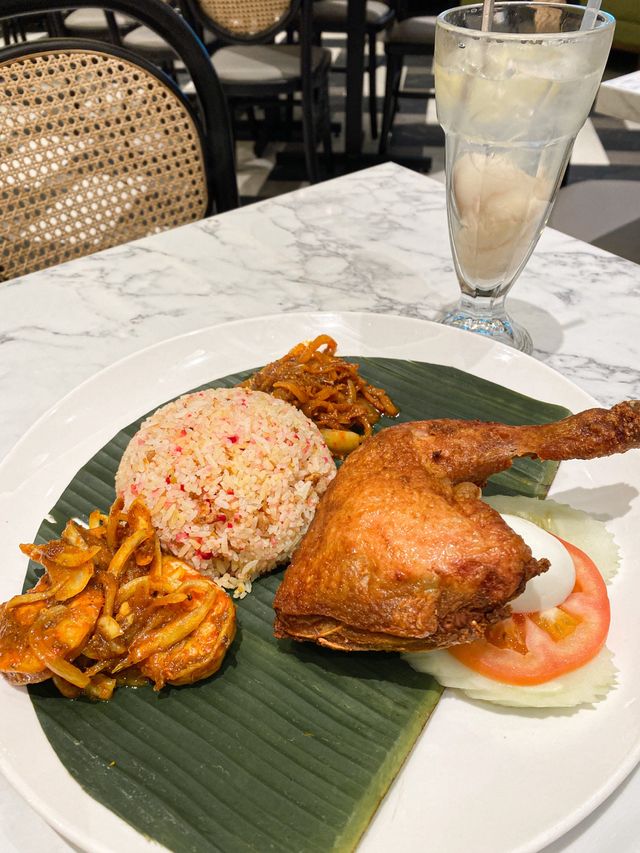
[325, 118]
[260, 131]
[289, 115]
[167, 65]
[309, 136]
[266, 130]
[394, 72]
[114, 32]
[253, 122]
[55, 24]
[373, 96]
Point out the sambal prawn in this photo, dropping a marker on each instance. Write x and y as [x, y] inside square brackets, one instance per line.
[328, 390]
[111, 609]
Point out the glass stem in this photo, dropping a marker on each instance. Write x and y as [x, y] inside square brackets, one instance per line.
[486, 315]
[483, 307]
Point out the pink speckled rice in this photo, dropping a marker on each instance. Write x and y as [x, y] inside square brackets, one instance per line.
[232, 478]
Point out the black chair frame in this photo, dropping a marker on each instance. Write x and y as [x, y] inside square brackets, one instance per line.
[13, 31]
[395, 55]
[372, 32]
[211, 115]
[312, 83]
[111, 27]
[194, 13]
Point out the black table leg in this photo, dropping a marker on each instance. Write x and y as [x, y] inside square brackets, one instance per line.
[356, 33]
[353, 158]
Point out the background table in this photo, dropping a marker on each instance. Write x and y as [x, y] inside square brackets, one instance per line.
[620, 97]
[374, 240]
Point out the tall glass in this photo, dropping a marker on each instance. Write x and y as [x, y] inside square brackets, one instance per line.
[511, 102]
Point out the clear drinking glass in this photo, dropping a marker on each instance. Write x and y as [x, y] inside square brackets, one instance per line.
[511, 102]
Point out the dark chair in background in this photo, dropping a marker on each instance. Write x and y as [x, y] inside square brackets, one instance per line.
[99, 147]
[15, 30]
[123, 30]
[252, 69]
[330, 16]
[97, 23]
[150, 44]
[410, 35]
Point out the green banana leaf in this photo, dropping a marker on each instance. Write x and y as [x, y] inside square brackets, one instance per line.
[289, 747]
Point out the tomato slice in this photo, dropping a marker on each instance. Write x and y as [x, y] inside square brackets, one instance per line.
[531, 648]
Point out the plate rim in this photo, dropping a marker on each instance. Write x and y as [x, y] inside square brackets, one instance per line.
[263, 318]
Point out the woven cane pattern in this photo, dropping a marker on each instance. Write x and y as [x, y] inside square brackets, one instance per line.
[94, 151]
[245, 17]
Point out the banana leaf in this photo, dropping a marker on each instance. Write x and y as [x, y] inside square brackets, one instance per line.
[286, 748]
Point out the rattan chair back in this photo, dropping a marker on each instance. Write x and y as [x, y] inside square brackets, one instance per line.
[99, 147]
[244, 20]
[95, 150]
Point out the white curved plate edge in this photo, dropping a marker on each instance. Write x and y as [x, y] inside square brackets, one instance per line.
[31, 479]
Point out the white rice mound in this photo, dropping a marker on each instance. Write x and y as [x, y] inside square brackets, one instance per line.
[232, 478]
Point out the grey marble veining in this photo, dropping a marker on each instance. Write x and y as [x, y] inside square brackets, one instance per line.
[373, 241]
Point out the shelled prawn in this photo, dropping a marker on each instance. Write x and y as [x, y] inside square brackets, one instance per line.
[111, 609]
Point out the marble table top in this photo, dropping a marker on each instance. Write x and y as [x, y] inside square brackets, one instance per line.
[620, 97]
[374, 240]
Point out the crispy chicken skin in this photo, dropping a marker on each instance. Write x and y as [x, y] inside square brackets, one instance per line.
[402, 554]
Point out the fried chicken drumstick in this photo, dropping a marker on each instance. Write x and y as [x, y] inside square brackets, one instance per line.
[402, 554]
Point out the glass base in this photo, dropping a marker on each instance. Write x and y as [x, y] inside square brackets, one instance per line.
[499, 328]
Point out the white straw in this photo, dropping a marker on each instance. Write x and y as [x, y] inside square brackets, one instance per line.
[590, 15]
[487, 15]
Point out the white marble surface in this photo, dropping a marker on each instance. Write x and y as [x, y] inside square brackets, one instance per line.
[375, 240]
[620, 97]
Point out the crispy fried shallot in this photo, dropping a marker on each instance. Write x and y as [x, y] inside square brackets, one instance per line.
[328, 390]
[111, 609]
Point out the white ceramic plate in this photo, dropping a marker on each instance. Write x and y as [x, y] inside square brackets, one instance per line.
[479, 779]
